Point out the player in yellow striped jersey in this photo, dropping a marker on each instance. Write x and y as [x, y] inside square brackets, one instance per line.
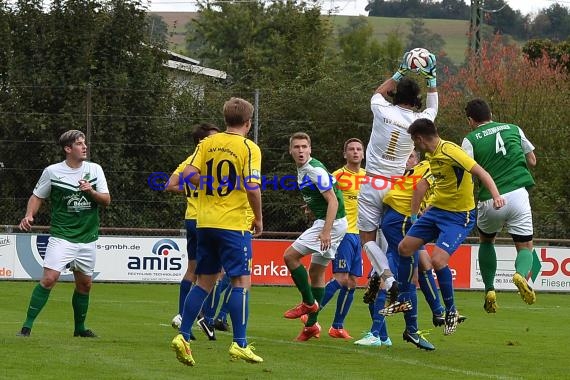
[397, 220]
[226, 169]
[199, 132]
[451, 214]
[347, 264]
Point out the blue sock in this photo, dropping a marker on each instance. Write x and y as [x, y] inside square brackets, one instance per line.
[223, 313]
[330, 289]
[192, 307]
[185, 286]
[411, 317]
[445, 279]
[430, 291]
[343, 303]
[238, 306]
[211, 304]
[405, 273]
[225, 283]
[378, 320]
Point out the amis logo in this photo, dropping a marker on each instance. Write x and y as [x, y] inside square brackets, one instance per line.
[161, 259]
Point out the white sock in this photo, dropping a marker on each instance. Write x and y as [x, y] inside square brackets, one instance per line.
[388, 282]
[377, 257]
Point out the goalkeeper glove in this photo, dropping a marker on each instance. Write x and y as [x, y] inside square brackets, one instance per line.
[402, 69]
[430, 71]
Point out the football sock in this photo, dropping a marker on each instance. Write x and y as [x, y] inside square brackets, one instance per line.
[411, 316]
[430, 291]
[405, 273]
[211, 303]
[225, 283]
[343, 303]
[238, 306]
[185, 286]
[80, 304]
[378, 320]
[445, 279]
[38, 300]
[223, 313]
[330, 290]
[488, 264]
[318, 294]
[377, 257]
[192, 306]
[523, 262]
[301, 280]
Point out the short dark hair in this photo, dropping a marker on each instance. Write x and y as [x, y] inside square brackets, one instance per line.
[423, 127]
[237, 111]
[478, 110]
[351, 140]
[69, 137]
[407, 92]
[202, 130]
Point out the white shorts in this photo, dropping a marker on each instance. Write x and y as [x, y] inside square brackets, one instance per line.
[370, 200]
[80, 256]
[309, 244]
[515, 214]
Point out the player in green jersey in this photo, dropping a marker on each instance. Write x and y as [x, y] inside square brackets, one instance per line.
[76, 188]
[503, 150]
[324, 199]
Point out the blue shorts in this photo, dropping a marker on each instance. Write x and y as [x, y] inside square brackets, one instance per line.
[394, 227]
[448, 228]
[348, 257]
[191, 239]
[219, 248]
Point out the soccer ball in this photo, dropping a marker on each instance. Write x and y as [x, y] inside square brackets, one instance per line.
[417, 59]
[176, 321]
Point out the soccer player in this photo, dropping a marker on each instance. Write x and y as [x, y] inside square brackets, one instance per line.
[76, 189]
[388, 150]
[504, 151]
[451, 214]
[199, 132]
[324, 199]
[395, 222]
[226, 168]
[347, 265]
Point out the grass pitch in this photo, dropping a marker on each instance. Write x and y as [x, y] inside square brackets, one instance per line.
[133, 322]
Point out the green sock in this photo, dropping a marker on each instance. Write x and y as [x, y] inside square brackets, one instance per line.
[318, 293]
[80, 304]
[38, 300]
[488, 264]
[523, 263]
[301, 280]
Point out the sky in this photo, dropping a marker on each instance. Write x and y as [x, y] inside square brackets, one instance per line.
[353, 7]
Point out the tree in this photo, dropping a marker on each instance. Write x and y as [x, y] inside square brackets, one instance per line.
[56, 71]
[357, 43]
[157, 29]
[504, 19]
[257, 44]
[532, 95]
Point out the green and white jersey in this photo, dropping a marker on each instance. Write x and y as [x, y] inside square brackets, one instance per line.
[500, 149]
[74, 214]
[314, 179]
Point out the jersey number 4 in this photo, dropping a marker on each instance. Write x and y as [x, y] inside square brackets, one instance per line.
[500, 144]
